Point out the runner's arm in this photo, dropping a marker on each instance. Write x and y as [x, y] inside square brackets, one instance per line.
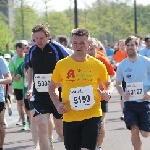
[106, 93]
[52, 92]
[7, 78]
[119, 88]
[12, 68]
[112, 78]
[109, 86]
[5, 72]
[30, 79]
[60, 106]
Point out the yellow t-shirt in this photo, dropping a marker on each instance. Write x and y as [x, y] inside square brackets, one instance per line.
[72, 74]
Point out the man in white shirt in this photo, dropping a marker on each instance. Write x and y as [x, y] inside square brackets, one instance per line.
[62, 39]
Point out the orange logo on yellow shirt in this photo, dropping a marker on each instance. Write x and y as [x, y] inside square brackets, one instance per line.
[70, 74]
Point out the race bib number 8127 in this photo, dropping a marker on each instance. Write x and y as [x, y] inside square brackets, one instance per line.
[136, 90]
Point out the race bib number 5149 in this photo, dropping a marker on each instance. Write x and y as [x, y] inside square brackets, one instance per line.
[81, 98]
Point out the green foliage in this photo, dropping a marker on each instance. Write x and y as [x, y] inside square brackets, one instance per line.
[59, 24]
[6, 34]
[106, 20]
[28, 18]
[113, 20]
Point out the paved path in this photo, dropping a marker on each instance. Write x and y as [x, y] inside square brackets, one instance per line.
[117, 136]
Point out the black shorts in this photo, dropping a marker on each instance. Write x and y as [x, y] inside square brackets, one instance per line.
[7, 96]
[43, 104]
[19, 94]
[2, 106]
[26, 103]
[123, 86]
[81, 134]
[31, 105]
[6, 92]
[104, 106]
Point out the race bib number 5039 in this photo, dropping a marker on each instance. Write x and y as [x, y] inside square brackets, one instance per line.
[42, 81]
[81, 98]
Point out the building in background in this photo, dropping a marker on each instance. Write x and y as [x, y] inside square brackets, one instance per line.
[7, 8]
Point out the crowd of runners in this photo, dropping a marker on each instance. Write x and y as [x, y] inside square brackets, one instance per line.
[69, 88]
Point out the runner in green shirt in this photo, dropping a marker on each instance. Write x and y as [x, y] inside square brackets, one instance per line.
[18, 86]
[15, 61]
[22, 72]
[7, 51]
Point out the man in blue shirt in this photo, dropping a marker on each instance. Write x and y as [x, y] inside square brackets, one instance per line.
[5, 78]
[135, 71]
[110, 52]
[146, 50]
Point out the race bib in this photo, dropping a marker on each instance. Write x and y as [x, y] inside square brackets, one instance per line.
[136, 90]
[42, 81]
[81, 98]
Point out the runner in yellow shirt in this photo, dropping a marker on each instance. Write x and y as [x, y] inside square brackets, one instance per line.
[80, 76]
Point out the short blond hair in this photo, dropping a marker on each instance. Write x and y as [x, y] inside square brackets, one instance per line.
[80, 32]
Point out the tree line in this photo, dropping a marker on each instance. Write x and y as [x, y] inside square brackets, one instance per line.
[106, 20]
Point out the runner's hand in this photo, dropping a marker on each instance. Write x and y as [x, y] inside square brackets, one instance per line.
[126, 95]
[17, 77]
[29, 94]
[105, 94]
[61, 108]
[147, 96]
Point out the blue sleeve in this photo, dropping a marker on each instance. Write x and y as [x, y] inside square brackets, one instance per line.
[59, 51]
[4, 66]
[119, 75]
[62, 49]
[26, 65]
[141, 52]
[148, 64]
[30, 55]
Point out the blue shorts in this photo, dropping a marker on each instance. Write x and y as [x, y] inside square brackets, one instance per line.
[137, 113]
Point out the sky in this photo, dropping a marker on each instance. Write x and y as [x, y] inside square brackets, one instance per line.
[60, 5]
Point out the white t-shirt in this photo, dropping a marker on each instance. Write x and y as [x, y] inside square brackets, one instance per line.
[141, 47]
[69, 51]
[145, 52]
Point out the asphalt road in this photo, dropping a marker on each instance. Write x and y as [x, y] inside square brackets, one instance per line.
[117, 136]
